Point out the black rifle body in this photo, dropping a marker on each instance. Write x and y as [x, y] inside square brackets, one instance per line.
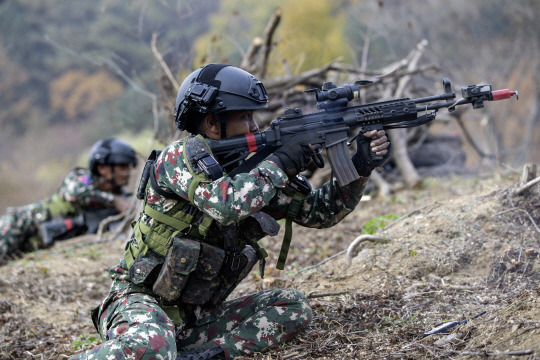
[330, 128]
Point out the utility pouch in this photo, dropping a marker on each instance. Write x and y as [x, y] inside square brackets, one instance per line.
[180, 262]
[258, 225]
[204, 281]
[237, 267]
[145, 268]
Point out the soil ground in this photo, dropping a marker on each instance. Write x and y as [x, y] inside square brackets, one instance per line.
[455, 248]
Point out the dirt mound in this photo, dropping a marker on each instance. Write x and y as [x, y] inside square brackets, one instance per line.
[454, 249]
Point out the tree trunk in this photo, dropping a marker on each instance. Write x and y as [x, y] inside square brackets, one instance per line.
[398, 138]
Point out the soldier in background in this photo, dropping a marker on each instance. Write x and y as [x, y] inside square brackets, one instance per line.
[94, 189]
[196, 238]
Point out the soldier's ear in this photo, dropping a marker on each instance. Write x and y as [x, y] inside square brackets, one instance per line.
[211, 126]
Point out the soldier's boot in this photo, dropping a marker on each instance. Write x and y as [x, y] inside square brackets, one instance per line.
[202, 353]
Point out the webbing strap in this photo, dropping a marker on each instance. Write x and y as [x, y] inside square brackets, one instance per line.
[166, 219]
[197, 178]
[132, 252]
[205, 225]
[192, 187]
[292, 211]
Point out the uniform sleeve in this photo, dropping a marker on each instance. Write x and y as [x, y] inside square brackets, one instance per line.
[228, 200]
[322, 208]
[79, 188]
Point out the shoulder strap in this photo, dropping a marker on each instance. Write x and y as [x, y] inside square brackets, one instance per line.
[169, 194]
[198, 147]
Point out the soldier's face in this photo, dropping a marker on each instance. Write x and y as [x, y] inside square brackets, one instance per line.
[120, 175]
[241, 123]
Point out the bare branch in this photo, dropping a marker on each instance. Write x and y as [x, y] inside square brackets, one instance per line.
[267, 47]
[251, 54]
[526, 186]
[352, 249]
[162, 62]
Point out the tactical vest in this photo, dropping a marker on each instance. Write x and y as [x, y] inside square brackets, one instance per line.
[185, 257]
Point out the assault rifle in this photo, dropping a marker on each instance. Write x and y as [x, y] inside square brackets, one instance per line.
[329, 129]
[86, 222]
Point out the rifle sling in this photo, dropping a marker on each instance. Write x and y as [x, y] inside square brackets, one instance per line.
[294, 208]
[253, 161]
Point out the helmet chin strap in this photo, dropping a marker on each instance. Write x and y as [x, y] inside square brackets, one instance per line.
[223, 125]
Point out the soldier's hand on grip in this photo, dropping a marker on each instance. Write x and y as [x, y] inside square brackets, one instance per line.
[292, 158]
[372, 151]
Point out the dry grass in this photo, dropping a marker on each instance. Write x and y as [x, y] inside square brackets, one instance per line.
[461, 246]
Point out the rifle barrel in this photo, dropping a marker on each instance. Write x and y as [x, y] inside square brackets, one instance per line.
[437, 106]
[434, 97]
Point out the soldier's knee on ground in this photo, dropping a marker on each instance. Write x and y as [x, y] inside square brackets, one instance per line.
[134, 327]
[298, 311]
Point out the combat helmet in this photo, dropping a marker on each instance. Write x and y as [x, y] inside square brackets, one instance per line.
[110, 152]
[215, 89]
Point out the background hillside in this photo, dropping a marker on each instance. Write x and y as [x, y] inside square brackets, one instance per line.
[74, 72]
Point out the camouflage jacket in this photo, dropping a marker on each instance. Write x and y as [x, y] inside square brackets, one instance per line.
[226, 200]
[78, 192]
[80, 188]
[230, 200]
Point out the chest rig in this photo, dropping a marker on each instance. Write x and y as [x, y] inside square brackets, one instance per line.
[185, 257]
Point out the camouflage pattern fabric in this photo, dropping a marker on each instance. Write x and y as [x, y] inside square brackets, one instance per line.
[19, 226]
[241, 326]
[134, 326]
[251, 323]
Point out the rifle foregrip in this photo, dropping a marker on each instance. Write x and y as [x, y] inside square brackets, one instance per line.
[341, 163]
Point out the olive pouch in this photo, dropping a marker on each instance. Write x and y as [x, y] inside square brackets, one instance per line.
[230, 277]
[145, 268]
[204, 281]
[180, 261]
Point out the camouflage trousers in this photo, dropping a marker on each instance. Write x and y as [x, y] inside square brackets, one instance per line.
[137, 328]
[19, 229]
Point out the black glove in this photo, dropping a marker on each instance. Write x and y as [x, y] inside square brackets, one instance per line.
[292, 157]
[364, 159]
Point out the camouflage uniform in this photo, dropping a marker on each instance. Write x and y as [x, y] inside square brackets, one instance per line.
[19, 227]
[134, 322]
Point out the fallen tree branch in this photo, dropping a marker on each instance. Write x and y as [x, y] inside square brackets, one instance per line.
[487, 353]
[522, 188]
[351, 250]
[262, 64]
[319, 295]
